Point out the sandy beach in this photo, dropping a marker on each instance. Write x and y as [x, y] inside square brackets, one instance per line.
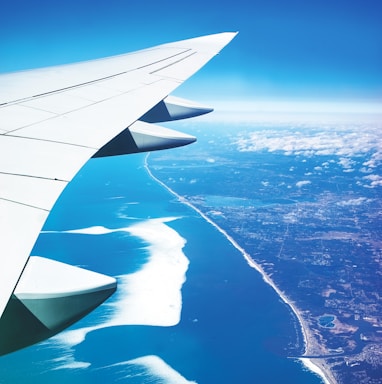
[325, 374]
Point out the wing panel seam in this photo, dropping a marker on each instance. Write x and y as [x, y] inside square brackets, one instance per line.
[33, 176]
[92, 81]
[48, 141]
[24, 204]
[175, 62]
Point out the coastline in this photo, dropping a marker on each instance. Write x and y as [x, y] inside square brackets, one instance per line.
[314, 367]
[326, 375]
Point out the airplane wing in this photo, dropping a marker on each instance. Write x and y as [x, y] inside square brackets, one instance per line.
[52, 120]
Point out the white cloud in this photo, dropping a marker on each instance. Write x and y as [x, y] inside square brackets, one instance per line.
[343, 140]
[300, 184]
[354, 202]
[375, 181]
[376, 158]
[346, 162]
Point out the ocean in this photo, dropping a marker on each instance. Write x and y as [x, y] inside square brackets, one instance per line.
[188, 309]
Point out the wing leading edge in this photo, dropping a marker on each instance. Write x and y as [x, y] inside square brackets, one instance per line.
[53, 120]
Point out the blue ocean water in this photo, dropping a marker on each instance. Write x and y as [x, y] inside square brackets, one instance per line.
[233, 327]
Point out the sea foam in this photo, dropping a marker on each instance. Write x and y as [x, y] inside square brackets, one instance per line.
[150, 296]
[152, 368]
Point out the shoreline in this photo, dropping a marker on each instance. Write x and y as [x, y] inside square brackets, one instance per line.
[308, 364]
[319, 370]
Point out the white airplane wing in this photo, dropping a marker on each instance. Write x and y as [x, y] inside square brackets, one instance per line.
[53, 120]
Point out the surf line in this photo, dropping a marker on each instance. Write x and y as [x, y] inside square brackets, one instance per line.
[306, 362]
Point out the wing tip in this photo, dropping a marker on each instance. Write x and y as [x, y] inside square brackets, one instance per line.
[219, 40]
[225, 37]
[212, 43]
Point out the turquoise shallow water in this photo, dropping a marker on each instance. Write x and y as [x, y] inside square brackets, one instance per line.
[233, 327]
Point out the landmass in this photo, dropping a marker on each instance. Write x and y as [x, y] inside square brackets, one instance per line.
[339, 277]
[312, 226]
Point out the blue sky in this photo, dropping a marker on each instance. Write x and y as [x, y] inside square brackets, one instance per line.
[326, 50]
